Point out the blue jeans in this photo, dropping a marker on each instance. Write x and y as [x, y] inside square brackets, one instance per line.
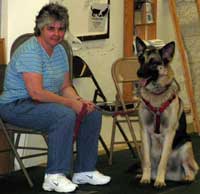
[58, 122]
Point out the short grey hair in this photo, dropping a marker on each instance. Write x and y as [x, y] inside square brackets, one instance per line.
[50, 13]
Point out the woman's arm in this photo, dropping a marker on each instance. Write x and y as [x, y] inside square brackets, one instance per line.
[68, 91]
[34, 86]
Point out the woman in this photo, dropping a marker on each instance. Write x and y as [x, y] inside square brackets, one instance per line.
[38, 94]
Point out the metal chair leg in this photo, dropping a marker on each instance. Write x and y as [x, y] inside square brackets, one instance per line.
[112, 141]
[104, 146]
[16, 155]
[126, 139]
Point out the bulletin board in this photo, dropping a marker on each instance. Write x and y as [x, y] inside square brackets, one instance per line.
[89, 19]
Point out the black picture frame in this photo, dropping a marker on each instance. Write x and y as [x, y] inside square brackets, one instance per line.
[99, 36]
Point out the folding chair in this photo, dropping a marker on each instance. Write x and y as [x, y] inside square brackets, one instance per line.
[124, 71]
[81, 70]
[11, 130]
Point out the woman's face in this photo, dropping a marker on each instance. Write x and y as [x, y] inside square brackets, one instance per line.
[53, 33]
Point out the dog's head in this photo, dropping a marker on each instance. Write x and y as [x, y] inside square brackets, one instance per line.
[154, 62]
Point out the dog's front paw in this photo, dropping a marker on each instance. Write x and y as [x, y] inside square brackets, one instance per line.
[159, 183]
[146, 177]
[145, 180]
[160, 178]
[189, 178]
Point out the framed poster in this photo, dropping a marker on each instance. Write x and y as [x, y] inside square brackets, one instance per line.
[89, 19]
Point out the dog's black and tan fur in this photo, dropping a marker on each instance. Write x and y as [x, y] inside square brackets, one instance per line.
[166, 147]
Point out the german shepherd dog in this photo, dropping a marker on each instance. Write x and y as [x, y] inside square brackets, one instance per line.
[167, 152]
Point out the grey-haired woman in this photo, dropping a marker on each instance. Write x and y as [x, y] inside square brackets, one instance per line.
[38, 94]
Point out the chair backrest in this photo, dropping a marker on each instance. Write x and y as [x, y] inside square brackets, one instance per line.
[22, 38]
[81, 70]
[124, 70]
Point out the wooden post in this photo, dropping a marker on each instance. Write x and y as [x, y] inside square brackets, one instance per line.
[2, 51]
[198, 5]
[128, 27]
[144, 30]
[128, 42]
[186, 70]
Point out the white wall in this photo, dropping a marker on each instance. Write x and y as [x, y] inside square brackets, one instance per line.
[102, 53]
[20, 18]
[1, 15]
[3, 18]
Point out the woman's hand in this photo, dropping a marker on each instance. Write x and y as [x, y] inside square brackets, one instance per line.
[78, 103]
[90, 105]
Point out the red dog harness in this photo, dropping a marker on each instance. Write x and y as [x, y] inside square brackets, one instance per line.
[157, 111]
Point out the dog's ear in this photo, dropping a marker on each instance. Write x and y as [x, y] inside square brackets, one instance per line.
[140, 46]
[167, 52]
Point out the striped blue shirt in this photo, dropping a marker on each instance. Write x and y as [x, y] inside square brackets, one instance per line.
[31, 57]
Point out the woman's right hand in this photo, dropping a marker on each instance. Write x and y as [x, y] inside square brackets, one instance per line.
[77, 105]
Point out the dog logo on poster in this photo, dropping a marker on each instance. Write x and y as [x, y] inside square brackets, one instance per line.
[99, 10]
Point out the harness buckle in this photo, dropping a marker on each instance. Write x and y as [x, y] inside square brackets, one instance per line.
[158, 112]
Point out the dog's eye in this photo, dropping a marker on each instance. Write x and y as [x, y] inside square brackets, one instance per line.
[160, 67]
[154, 64]
[153, 67]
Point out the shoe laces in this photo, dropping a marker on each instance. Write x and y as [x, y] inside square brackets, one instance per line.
[60, 178]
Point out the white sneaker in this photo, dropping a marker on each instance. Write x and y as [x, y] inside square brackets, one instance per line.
[58, 183]
[93, 178]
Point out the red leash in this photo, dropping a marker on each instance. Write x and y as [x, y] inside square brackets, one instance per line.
[79, 119]
[83, 112]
